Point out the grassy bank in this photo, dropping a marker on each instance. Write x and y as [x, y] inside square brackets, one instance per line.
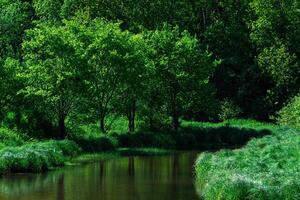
[267, 168]
[20, 154]
[93, 157]
[36, 157]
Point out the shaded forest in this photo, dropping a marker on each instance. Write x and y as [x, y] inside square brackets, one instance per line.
[79, 61]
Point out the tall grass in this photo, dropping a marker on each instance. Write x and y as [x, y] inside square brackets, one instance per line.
[36, 157]
[266, 168]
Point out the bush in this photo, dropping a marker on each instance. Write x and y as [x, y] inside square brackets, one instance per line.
[36, 157]
[89, 138]
[290, 114]
[10, 138]
[267, 168]
[229, 110]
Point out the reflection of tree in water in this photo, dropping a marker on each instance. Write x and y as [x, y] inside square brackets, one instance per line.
[61, 187]
[133, 192]
[24, 184]
[131, 167]
[175, 168]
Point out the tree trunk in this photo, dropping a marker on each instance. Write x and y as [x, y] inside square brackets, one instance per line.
[62, 127]
[102, 124]
[175, 115]
[131, 117]
[175, 122]
[151, 113]
[151, 123]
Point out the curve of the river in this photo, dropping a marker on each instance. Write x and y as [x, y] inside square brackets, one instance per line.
[129, 178]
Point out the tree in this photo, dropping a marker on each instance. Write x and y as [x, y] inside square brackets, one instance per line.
[115, 69]
[181, 65]
[8, 84]
[49, 10]
[149, 14]
[276, 33]
[136, 78]
[14, 19]
[51, 71]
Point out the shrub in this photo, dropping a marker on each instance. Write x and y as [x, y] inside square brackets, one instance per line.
[95, 143]
[10, 138]
[290, 114]
[229, 110]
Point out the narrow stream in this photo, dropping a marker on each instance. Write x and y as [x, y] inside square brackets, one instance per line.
[131, 178]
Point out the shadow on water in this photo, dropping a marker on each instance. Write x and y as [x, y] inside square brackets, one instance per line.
[132, 178]
[193, 138]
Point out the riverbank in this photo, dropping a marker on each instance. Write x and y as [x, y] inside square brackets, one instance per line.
[19, 154]
[118, 153]
[265, 169]
[43, 156]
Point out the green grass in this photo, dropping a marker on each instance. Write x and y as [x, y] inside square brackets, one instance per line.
[36, 157]
[238, 123]
[122, 152]
[267, 168]
[19, 155]
[143, 152]
[93, 157]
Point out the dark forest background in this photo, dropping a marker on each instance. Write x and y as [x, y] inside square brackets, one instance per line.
[66, 62]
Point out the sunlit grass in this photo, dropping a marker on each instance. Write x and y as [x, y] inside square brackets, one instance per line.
[36, 157]
[266, 168]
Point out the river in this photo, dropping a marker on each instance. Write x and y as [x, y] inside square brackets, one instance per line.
[128, 178]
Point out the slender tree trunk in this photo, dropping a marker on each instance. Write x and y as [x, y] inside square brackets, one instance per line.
[175, 121]
[175, 114]
[151, 114]
[102, 124]
[62, 127]
[131, 117]
[151, 122]
[129, 121]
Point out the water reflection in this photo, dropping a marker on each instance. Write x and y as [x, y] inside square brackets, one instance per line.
[132, 178]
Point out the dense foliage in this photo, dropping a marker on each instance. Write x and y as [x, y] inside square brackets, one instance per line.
[81, 62]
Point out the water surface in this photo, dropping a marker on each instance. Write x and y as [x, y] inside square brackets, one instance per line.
[131, 178]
